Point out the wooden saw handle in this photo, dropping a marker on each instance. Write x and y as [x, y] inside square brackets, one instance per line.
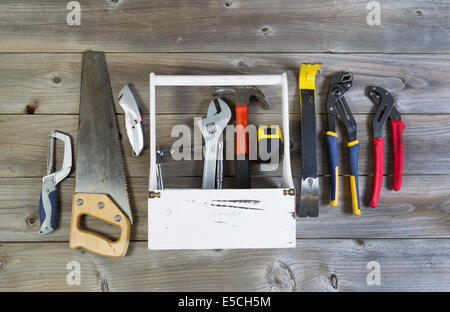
[99, 206]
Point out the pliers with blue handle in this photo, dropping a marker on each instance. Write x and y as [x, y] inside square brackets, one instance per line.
[339, 85]
[48, 200]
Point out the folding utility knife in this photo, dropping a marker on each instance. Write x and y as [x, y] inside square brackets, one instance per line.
[133, 119]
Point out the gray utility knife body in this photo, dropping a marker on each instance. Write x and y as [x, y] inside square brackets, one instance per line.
[48, 200]
[133, 119]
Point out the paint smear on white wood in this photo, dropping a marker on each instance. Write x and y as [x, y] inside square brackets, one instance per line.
[221, 219]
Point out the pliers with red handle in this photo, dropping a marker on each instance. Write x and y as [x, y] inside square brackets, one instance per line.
[386, 109]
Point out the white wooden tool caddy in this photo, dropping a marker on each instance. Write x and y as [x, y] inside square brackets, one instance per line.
[225, 218]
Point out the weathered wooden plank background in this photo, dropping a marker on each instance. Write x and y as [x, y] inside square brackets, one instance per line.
[225, 26]
[323, 265]
[409, 54]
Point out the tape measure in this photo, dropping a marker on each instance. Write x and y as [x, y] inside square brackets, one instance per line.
[270, 144]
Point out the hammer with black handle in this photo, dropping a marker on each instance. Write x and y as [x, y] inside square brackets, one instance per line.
[242, 99]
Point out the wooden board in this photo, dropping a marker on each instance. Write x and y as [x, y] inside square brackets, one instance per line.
[315, 265]
[40, 72]
[225, 26]
[52, 81]
[419, 210]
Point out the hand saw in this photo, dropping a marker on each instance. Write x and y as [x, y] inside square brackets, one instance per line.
[309, 188]
[101, 189]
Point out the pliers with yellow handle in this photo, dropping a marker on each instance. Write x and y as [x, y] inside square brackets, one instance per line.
[339, 85]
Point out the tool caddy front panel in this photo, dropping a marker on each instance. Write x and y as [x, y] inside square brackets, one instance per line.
[220, 218]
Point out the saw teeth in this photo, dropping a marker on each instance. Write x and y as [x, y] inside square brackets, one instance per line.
[124, 175]
[119, 190]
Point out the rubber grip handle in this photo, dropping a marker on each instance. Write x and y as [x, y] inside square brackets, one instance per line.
[397, 127]
[241, 129]
[48, 207]
[378, 163]
[332, 143]
[242, 178]
[353, 148]
[52, 215]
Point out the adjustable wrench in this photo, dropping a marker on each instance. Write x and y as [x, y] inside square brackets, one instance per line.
[212, 126]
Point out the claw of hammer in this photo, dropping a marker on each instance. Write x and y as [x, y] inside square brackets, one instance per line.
[243, 94]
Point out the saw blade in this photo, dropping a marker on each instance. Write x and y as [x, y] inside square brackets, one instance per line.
[100, 167]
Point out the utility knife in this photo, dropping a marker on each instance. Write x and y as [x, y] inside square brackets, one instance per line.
[133, 119]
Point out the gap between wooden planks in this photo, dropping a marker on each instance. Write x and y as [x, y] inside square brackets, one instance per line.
[420, 210]
[24, 145]
[52, 81]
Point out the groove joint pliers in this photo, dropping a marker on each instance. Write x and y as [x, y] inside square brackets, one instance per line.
[339, 85]
[385, 110]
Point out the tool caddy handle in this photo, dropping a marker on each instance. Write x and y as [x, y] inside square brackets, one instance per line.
[378, 163]
[397, 127]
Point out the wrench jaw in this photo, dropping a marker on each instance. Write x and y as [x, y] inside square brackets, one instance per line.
[212, 128]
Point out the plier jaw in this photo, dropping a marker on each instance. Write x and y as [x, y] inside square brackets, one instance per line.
[337, 105]
[385, 110]
[385, 103]
[339, 85]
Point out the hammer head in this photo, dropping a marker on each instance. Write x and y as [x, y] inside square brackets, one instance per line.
[243, 94]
